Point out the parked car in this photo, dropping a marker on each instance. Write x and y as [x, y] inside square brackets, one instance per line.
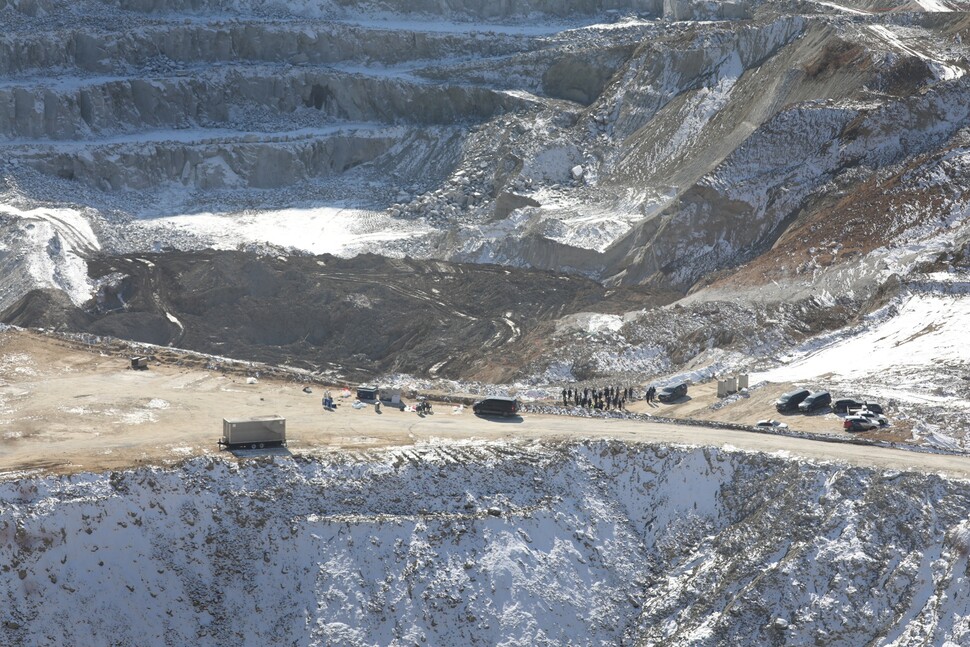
[877, 418]
[815, 401]
[847, 404]
[858, 423]
[497, 406]
[771, 424]
[672, 393]
[875, 408]
[791, 400]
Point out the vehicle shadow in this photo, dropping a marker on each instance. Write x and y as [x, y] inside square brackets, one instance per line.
[265, 451]
[816, 412]
[501, 419]
[819, 412]
[680, 400]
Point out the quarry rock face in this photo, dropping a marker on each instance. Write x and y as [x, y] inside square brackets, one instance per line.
[684, 118]
[776, 157]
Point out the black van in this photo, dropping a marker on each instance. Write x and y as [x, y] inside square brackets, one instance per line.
[497, 406]
[847, 404]
[815, 401]
[791, 400]
[672, 392]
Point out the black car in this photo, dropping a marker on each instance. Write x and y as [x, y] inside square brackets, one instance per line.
[815, 401]
[497, 406]
[672, 393]
[847, 404]
[791, 400]
[875, 408]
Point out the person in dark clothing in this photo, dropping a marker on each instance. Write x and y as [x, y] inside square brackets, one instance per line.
[564, 401]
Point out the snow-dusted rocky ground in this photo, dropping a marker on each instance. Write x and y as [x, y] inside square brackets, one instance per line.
[448, 544]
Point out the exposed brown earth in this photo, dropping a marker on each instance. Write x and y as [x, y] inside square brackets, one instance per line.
[845, 227]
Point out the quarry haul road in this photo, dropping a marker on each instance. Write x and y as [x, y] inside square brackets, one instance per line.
[66, 410]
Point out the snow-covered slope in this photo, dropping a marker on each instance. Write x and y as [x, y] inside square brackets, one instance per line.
[447, 544]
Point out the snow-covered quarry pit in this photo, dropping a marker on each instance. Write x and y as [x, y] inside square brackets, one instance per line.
[461, 544]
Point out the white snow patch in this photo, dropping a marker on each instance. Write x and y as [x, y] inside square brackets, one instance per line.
[842, 8]
[926, 331]
[596, 322]
[54, 243]
[317, 230]
[942, 69]
[174, 320]
[934, 6]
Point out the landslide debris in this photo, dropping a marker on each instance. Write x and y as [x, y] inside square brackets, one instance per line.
[358, 316]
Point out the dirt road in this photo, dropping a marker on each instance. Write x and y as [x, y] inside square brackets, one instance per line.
[66, 410]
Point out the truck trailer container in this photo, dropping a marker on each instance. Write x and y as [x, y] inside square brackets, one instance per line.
[368, 393]
[253, 433]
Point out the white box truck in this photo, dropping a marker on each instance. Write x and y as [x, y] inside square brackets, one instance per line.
[253, 433]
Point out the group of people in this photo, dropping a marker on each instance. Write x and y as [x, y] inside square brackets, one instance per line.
[650, 394]
[609, 398]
